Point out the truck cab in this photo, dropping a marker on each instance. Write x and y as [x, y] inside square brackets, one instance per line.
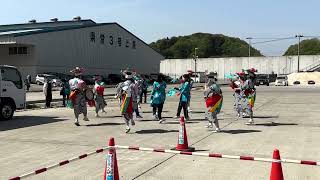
[12, 91]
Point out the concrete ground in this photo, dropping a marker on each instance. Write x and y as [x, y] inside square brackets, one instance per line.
[286, 118]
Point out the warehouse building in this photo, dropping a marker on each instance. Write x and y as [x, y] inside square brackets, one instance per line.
[58, 46]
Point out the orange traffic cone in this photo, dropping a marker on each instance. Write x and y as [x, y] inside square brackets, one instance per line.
[111, 170]
[276, 168]
[182, 144]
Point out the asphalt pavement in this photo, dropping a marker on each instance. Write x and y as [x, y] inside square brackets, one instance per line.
[286, 118]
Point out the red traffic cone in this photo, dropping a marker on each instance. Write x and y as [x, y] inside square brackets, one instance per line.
[276, 168]
[111, 170]
[182, 144]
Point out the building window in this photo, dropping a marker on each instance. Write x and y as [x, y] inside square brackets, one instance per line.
[93, 37]
[18, 50]
[133, 44]
[127, 43]
[119, 41]
[111, 40]
[102, 38]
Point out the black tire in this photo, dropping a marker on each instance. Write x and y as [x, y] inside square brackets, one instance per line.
[268, 84]
[6, 111]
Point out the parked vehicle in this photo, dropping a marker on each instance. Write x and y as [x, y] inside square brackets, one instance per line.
[12, 92]
[296, 83]
[198, 77]
[281, 81]
[262, 79]
[115, 78]
[40, 79]
[312, 82]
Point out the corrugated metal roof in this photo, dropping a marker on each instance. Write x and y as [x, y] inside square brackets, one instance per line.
[12, 27]
[30, 31]
[19, 31]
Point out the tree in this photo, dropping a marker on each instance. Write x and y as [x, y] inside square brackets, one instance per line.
[209, 45]
[307, 47]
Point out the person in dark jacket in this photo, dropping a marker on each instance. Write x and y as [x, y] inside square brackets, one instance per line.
[144, 89]
[65, 91]
[47, 90]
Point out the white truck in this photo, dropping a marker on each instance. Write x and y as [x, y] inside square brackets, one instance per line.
[12, 91]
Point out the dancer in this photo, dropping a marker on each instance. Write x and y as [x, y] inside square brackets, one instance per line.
[184, 96]
[213, 98]
[249, 93]
[77, 95]
[99, 100]
[158, 97]
[190, 72]
[124, 92]
[137, 89]
[235, 82]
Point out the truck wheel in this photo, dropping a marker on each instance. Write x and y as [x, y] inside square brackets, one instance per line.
[6, 111]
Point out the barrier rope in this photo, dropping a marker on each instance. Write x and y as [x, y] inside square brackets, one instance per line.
[160, 150]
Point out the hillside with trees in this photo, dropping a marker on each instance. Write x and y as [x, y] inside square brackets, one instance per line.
[307, 47]
[209, 45]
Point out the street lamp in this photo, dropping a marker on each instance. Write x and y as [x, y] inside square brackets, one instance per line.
[195, 59]
[249, 50]
[299, 36]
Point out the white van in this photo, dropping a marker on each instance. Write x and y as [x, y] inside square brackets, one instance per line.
[198, 77]
[281, 81]
[12, 91]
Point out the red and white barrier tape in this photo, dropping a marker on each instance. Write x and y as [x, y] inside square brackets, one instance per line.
[159, 150]
[62, 163]
[216, 155]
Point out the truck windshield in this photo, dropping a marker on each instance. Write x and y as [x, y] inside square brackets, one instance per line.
[12, 75]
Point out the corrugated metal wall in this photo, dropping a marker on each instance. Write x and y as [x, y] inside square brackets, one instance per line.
[62, 50]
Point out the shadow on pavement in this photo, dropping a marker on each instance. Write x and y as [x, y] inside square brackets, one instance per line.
[172, 122]
[197, 112]
[263, 117]
[276, 124]
[105, 124]
[111, 116]
[240, 131]
[27, 121]
[152, 112]
[200, 150]
[155, 131]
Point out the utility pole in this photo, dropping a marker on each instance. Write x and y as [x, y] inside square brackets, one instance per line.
[195, 59]
[249, 50]
[299, 36]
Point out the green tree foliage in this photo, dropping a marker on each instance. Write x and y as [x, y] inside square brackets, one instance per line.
[307, 47]
[209, 45]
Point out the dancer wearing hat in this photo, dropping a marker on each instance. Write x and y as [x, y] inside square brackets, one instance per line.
[249, 93]
[213, 99]
[158, 97]
[99, 100]
[77, 96]
[236, 86]
[125, 91]
[136, 95]
[184, 96]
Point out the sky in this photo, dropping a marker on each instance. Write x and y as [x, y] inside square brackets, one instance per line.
[151, 20]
